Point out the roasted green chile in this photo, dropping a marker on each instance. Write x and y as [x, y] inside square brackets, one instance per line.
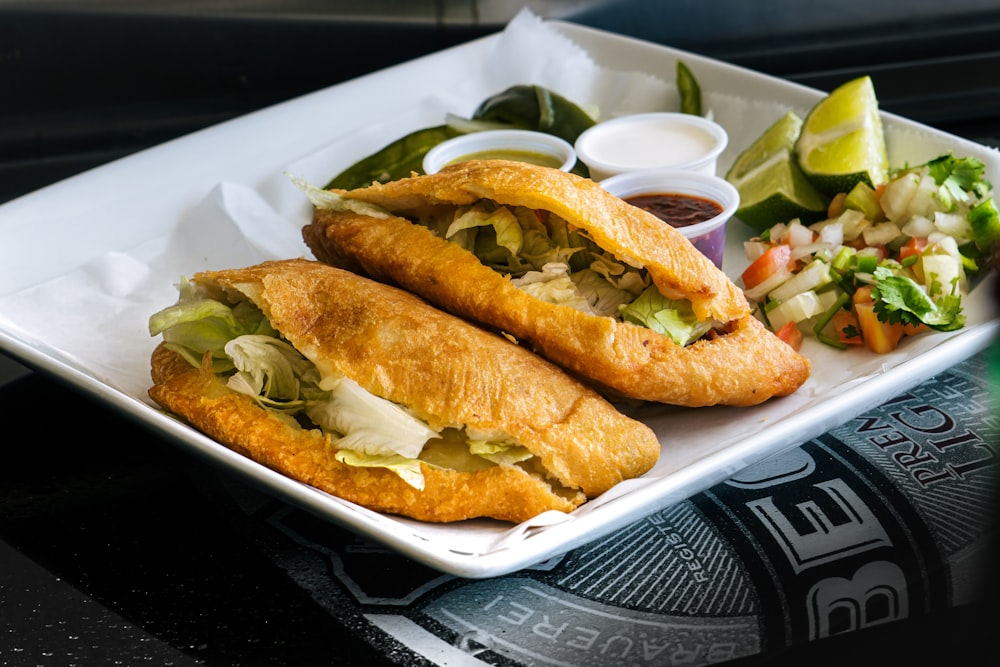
[519, 107]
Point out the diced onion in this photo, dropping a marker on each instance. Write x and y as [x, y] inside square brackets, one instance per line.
[853, 223]
[866, 278]
[799, 235]
[778, 232]
[877, 253]
[813, 277]
[801, 307]
[818, 248]
[754, 249]
[832, 234]
[925, 198]
[759, 291]
[881, 234]
[946, 244]
[918, 227]
[938, 237]
[953, 224]
[896, 198]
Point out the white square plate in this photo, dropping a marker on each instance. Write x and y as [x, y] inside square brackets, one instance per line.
[81, 271]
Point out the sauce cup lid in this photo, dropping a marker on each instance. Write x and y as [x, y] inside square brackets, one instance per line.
[528, 141]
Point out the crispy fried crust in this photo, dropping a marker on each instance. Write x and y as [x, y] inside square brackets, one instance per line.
[446, 370]
[746, 366]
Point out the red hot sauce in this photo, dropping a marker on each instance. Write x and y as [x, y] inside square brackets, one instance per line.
[676, 209]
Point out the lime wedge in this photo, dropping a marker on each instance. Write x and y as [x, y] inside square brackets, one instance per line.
[772, 187]
[841, 142]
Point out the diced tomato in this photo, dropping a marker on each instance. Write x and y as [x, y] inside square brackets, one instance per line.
[846, 325]
[836, 206]
[767, 265]
[880, 337]
[791, 334]
[914, 246]
[862, 295]
[914, 329]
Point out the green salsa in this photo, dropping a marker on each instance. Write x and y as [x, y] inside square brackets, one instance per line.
[531, 157]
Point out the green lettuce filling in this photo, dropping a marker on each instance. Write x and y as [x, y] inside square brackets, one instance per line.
[669, 317]
[368, 431]
[553, 262]
[547, 257]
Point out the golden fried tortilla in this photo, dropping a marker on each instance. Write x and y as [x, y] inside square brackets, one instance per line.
[448, 372]
[741, 363]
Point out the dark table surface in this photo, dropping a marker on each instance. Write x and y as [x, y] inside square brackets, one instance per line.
[118, 548]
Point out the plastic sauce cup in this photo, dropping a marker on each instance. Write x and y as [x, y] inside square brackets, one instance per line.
[708, 236]
[651, 141]
[519, 145]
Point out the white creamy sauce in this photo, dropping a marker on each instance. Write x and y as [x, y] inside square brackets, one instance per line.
[650, 145]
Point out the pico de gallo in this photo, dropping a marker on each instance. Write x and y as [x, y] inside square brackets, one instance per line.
[889, 261]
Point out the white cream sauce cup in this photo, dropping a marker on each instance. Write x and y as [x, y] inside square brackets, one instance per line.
[651, 141]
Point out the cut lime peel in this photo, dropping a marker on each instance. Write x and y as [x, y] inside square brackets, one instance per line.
[807, 144]
[784, 155]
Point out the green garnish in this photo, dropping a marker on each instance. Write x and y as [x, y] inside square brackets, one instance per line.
[689, 90]
[899, 299]
[958, 179]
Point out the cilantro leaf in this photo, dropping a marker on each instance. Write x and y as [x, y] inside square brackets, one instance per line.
[985, 221]
[958, 179]
[899, 299]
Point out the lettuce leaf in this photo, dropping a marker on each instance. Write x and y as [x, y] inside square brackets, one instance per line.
[553, 285]
[620, 274]
[500, 453]
[408, 469]
[504, 223]
[368, 423]
[271, 371]
[603, 297]
[197, 324]
[324, 199]
[674, 319]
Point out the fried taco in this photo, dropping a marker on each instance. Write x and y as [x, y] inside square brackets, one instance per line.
[371, 394]
[602, 288]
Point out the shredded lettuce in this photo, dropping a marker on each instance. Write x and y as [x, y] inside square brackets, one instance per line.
[558, 264]
[619, 275]
[369, 424]
[539, 250]
[325, 199]
[499, 452]
[246, 350]
[503, 222]
[603, 297]
[671, 318]
[553, 285]
[197, 324]
[408, 469]
[270, 370]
